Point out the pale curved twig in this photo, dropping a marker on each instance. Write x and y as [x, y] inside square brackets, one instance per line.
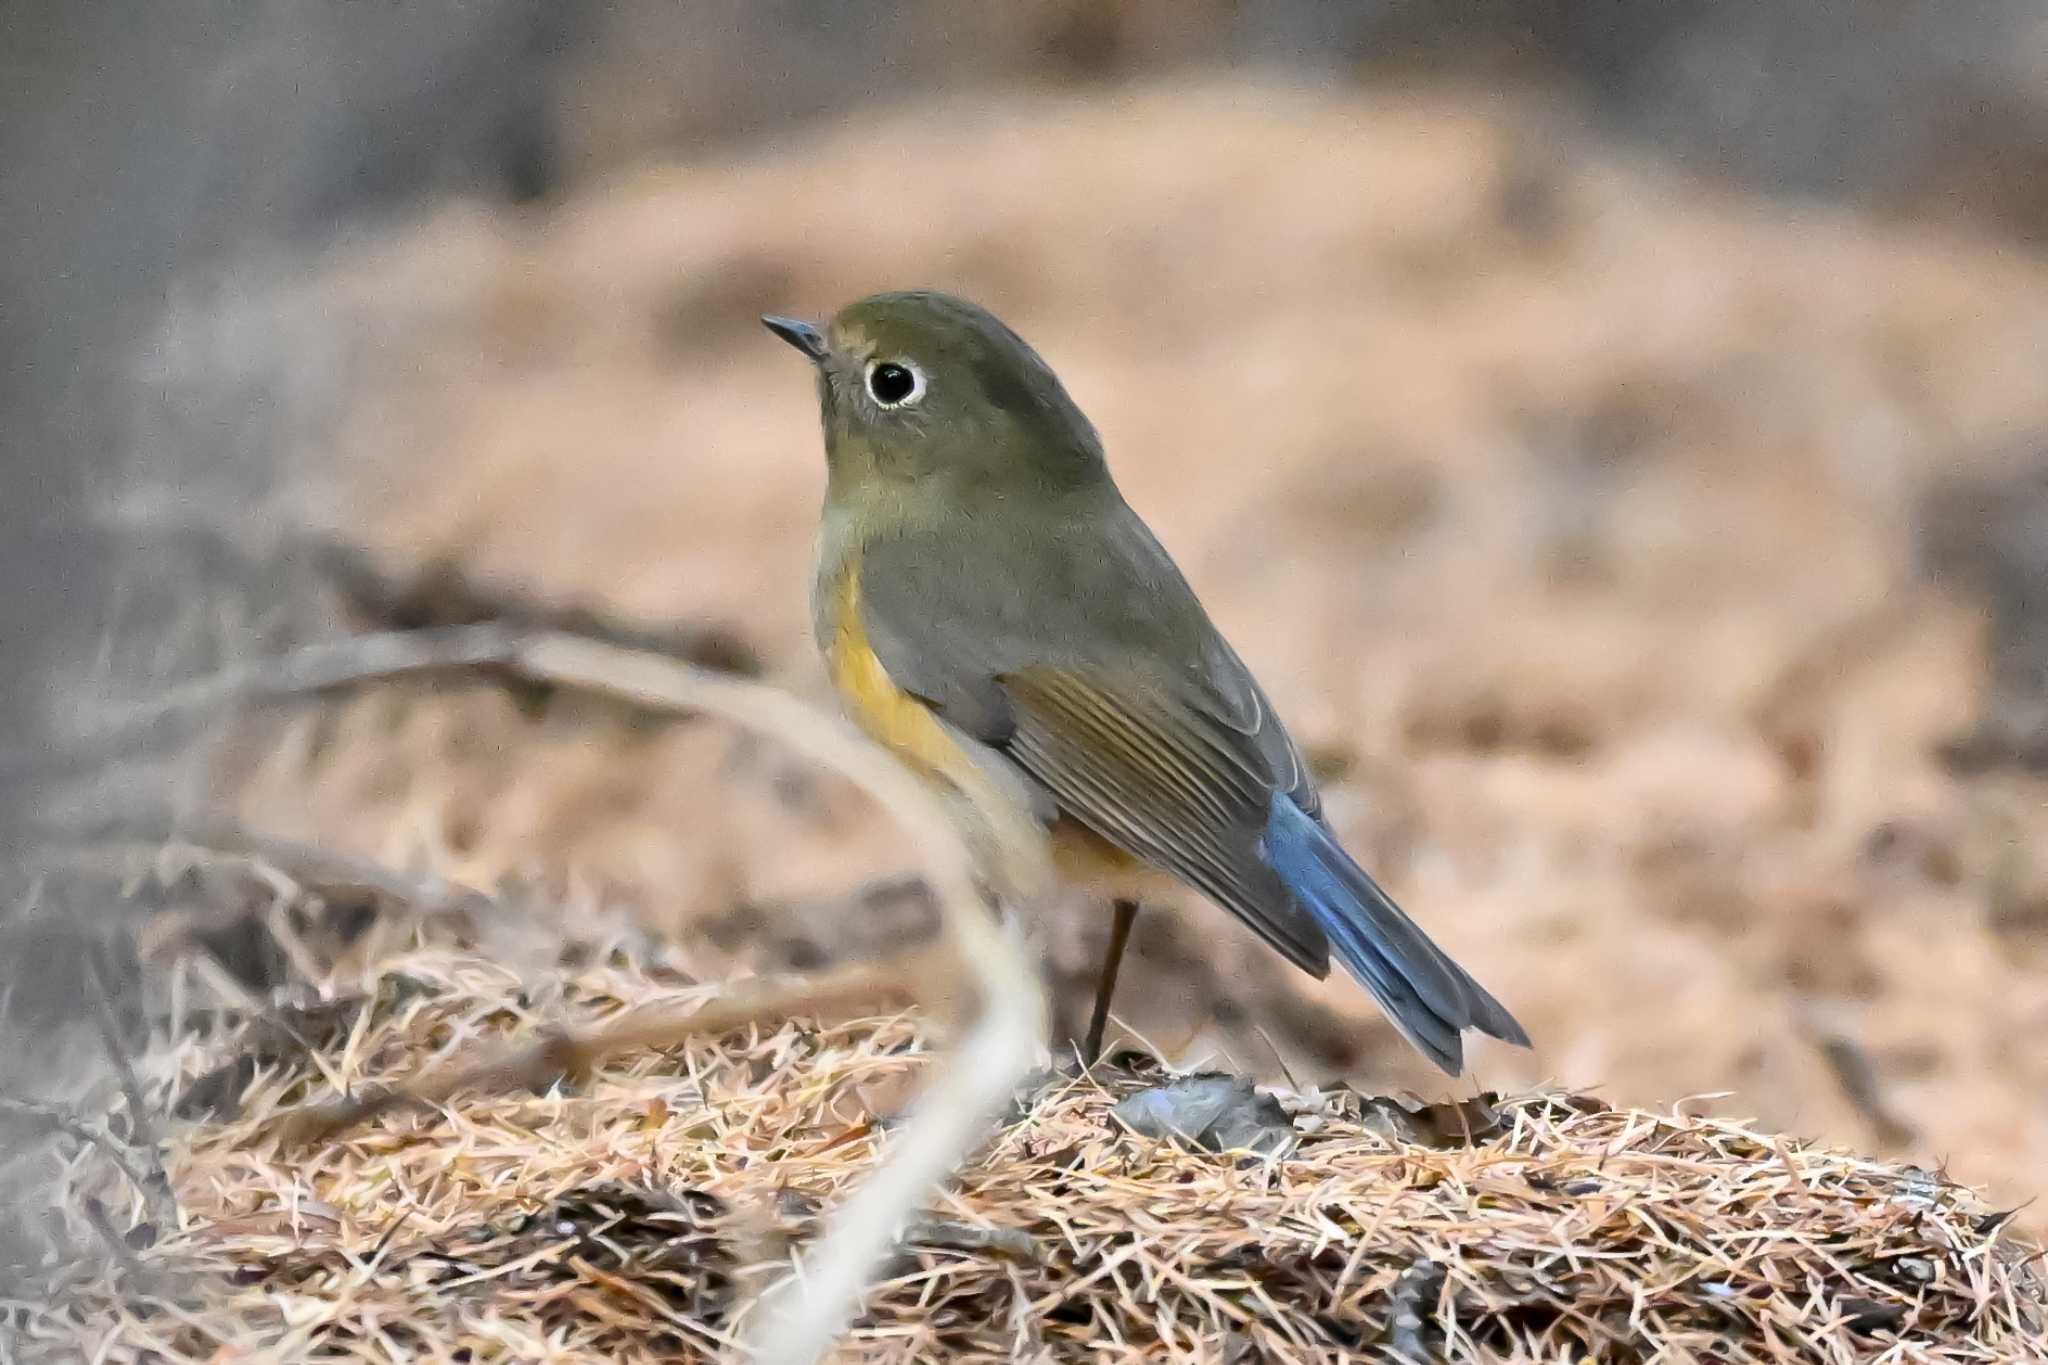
[982, 838]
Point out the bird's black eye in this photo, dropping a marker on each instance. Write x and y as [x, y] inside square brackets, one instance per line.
[892, 383]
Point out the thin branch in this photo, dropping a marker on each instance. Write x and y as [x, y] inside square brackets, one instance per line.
[1004, 834]
[983, 838]
[444, 593]
[799, 1320]
[99, 739]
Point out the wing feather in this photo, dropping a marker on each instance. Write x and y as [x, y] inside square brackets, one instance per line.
[1146, 776]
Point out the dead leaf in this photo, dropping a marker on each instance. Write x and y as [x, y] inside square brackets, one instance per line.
[1218, 1112]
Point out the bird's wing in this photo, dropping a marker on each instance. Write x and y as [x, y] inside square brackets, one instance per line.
[1175, 760]
[1230, 694]
[1164, 782]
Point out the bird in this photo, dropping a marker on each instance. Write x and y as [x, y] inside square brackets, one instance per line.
[987, 603]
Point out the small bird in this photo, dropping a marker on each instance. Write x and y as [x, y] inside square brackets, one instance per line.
[986, 601]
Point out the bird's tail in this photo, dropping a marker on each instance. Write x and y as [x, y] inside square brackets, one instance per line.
[1430, 998]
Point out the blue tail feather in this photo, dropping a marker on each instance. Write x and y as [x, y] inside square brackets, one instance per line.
[1429, 997]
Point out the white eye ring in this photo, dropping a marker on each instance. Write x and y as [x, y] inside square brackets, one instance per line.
[885, 383]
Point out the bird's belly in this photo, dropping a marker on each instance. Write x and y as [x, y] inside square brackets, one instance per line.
[1085, 859]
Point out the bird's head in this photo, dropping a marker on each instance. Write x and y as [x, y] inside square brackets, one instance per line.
[916, 386]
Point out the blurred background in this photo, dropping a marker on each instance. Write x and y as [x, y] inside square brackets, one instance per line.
[1617, 437]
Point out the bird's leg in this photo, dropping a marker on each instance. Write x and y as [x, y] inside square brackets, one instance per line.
[1126, 913]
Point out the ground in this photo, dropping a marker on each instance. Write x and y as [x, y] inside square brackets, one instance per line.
[1567, 510]
[638, 1212]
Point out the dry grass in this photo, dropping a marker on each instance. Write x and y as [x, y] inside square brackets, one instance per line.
[637, 1216]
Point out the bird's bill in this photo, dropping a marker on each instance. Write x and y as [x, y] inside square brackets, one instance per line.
[805, 336]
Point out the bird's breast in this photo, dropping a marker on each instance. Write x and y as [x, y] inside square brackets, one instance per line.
[893, 718]
[908, 728]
